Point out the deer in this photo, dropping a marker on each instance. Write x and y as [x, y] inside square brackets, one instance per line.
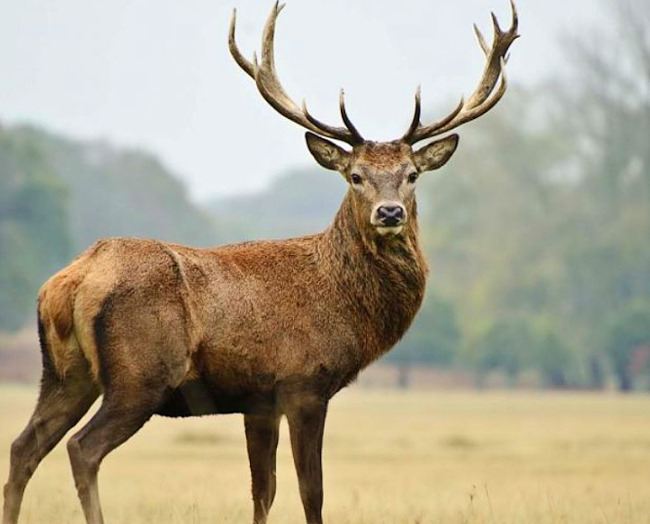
[268, 329]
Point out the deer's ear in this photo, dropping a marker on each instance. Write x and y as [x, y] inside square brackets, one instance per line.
[435, 155]
[327, 154]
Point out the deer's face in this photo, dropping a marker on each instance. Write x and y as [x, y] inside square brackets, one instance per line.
[383, 176]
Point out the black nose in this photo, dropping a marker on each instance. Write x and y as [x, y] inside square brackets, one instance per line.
[390, 216]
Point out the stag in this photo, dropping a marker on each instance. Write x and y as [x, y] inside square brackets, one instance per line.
[266, 329]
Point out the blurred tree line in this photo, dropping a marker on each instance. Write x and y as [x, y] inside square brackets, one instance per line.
[540, 232]
[57, 196]
[537, 231]
[34, 238]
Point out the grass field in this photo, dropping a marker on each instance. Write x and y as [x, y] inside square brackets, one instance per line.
[390, 458]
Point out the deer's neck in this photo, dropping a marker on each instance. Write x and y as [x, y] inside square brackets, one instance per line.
[382, 277]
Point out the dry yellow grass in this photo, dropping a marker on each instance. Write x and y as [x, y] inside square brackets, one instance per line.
[390, 458]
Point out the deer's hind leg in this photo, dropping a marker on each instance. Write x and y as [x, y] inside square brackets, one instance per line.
[143, 357]
[120, 416]
[61, 404]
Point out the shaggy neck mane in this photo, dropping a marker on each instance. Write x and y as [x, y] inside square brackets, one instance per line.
[382, 277]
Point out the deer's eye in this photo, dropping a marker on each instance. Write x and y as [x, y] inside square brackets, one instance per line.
[356, 178]
[412, 177]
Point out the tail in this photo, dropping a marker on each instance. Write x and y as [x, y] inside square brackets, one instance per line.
[55, 322]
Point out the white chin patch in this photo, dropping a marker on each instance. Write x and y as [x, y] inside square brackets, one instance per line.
[389, 230]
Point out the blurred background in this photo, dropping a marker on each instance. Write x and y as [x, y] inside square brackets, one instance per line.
[130, 118]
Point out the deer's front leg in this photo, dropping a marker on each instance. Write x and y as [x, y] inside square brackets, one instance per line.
[306, 424]
[262, 434]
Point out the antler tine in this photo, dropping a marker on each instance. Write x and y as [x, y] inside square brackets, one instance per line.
[268, 38]
[514, 25]
[271, 89]
[327, 130]
[266, 78]
[418, 132]
[234, 50]
[483, 98]
[495, 23]
[494, 66]
[415, 122]
[481, 40]
[346, 119]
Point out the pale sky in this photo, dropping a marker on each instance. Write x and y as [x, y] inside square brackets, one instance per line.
[156, 74]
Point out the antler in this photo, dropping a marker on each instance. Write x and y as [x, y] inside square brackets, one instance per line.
[480, 102]
[271, 89]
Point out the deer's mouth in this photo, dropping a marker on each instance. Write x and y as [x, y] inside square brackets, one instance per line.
[389, 230]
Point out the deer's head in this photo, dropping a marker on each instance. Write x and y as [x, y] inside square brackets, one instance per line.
[382, 175]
